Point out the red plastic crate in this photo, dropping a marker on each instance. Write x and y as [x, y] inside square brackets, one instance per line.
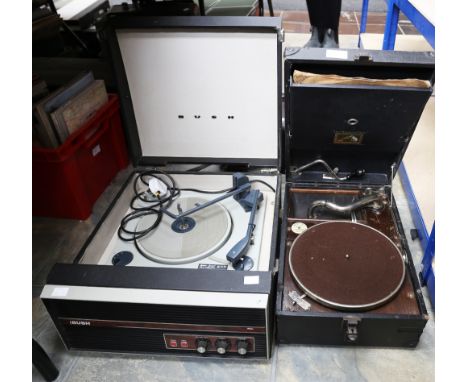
[68, 180]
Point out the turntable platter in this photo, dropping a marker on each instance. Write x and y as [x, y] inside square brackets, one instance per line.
[212, 228]
[346, 266]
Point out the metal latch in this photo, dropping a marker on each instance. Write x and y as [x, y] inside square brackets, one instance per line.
[350, 327]
[363, 58]
[299, 300]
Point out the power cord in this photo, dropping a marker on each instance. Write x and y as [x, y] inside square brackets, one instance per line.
[157, 204]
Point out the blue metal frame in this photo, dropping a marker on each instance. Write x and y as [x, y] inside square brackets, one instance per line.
[362, 26]
[428, 243]
[423, 25]
[427, 274]
[416, 215]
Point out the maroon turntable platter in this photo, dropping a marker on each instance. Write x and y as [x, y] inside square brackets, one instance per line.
[347, 266]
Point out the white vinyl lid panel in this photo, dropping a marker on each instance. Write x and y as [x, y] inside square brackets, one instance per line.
[205, 74]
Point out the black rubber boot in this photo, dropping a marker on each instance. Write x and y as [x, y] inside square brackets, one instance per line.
[330, 40]
[314, 41]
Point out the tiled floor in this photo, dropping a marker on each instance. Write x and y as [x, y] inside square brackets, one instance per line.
[298, 22]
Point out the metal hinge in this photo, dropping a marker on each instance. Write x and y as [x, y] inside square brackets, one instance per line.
[350, 327]
[404, 255]
[281, 35]
[391, 183]
[269, 170]
[276, 266]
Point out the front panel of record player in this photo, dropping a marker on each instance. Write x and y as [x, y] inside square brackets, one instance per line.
[160, 321]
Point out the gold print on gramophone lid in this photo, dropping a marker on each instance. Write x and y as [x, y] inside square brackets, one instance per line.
[348, 137]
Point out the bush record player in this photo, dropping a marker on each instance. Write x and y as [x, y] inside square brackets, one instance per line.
[346, 274]
[204, 90]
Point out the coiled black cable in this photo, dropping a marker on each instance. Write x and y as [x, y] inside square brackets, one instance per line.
[156, 207]
[137, 214]
[264, 183]
[158, 174]
[153, 207]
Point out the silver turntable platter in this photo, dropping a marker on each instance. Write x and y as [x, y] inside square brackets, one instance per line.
[165, 245]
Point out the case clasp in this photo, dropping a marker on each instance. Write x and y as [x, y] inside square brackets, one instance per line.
[299, 300]
[363, 58]
[350, 327]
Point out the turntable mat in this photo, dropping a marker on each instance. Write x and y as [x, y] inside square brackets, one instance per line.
[212, 229]
[346, 265]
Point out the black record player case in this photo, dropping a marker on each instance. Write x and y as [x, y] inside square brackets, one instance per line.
[383, 120]
[178, 132]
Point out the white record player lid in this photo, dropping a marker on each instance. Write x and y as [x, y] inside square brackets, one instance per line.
[202, 90]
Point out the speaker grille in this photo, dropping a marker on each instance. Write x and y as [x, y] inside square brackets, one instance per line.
[156, 313]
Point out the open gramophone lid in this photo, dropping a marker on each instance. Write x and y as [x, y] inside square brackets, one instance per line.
[347, 266]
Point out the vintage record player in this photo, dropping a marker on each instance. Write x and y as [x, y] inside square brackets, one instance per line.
[346, 275]
[182, 261]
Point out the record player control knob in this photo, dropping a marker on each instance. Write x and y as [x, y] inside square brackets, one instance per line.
[222, 346]
[242, 346]
[202, 345]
